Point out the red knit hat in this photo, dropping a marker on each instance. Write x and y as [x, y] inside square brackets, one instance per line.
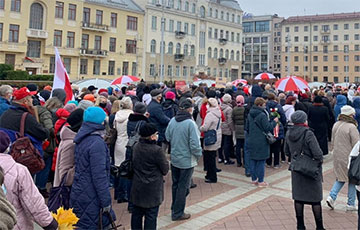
[102, 90]
[21, 93]
[170, 95]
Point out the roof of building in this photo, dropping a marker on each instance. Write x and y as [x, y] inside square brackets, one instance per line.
[322, 17]
[119, 4]
[228, 3]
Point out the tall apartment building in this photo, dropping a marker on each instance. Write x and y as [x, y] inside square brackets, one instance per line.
[323, 48]
[96, 38]
[202, 38]
[262, 45]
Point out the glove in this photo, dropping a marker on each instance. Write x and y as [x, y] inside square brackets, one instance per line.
[106, 209]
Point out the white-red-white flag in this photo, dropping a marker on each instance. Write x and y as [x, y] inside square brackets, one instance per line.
[61, 77]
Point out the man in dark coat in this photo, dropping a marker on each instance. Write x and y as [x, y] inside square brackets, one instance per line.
[319, 120]
[150, 165]
[90, 194]
[11, 118]
[157, 116]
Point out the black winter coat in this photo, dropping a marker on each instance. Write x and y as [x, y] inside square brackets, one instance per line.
[150, 165]
[238, 116]
[304, 188]
[11, 119]
[319, 121]
[158, 117]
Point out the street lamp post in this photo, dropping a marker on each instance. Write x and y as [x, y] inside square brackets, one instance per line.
[162, 45]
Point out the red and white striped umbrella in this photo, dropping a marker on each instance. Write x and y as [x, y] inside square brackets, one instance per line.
[124, 80]
[264, 76]
[238, 81]
[291, 83]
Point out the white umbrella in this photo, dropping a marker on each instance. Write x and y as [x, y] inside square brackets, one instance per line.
[204, 81]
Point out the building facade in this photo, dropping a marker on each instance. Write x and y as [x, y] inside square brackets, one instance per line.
[262, 45]
[323, 48]
[201, 38]
[96, 38]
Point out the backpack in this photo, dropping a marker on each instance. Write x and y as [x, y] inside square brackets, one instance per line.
[24, 152]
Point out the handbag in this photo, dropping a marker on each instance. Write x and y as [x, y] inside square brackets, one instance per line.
[59, 196]
[112, 222]
[210, 136]
[268, 135]
[354, 171]
[305, 165]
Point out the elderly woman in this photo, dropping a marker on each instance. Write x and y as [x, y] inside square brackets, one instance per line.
[227, 128]
[259, 123]
[305, 190]
[120, 124]
[345, 136]
[212, 121]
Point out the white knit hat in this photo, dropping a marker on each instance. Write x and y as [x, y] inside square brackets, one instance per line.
[227, 98]
[213, 102]
[347, 110]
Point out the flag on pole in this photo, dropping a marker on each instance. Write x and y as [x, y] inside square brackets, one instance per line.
[61, 77]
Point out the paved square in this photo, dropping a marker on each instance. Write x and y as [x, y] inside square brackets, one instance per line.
[233, 203]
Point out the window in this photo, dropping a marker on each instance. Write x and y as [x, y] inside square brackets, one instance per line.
[210, 12]
[227, 54]
[238, 19]
[187, 6]
[325, 79]
[67, 64]
[296, 68]
[152, 70]
[202, 12]
[36, 16]
[83, 66]
[315, 38]
[233, 18]
[215, 53]
[70, 39]
[193, 9]
[186, 48]
[222, 15]
[316, 58]
[171, 4]
[170, 70]
[96, 67]
[296, 39]
[216, 13]
[131, 46]
[192, 51]
[296, 58]
[233, 37]
[171, 25]
[336, 58]
[112, 45]
[346, 69]
[296, 29]
[325, 58]
[178, 48]
[97, 42]
[346, 48]
[153, 22]
[336, 68]
[325, 68]
[221, 53]
[316, 28]
[202, 40]
[346, 37]
[99, 17]
[186, 28]
[357, 47]
[316, 49]
[356, 37]
[86, 15]
[178, 26]
[262, 26]
[170, 48]
[210, 33]
[306, 28]
[177, 71]
[1, 31]
[209, 52]
[59, 10]
[335, 37]
[201, 59]
[287, 29]
[237, 55]
[85, 41]
[357, 58]
[227, 35]
[346, 57]
[33, 49]
[153, 46]
[346, 26]
[52, 65]
[113, 20]
[316, 68]
[232, 57]
[16, 5]
[2, 4]
[111, 68]
[193, 29]
[58, 38]
[336, 26]
[72, 12]
[238, 37]
[306, 38]
[131, 23]
[185, 68]
[179, 4]
[227, 17]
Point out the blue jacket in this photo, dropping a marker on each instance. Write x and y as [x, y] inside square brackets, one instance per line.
[340, 102]
[184, 137]
[356, 104]
[158, 118]
[282, 119]
[90, 190]
[4, 105]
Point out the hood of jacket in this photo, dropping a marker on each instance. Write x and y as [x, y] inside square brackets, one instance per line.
[182, 116]
[255, 111]
[271, 104]
[7, 162]
[296, 133]
[67, 134]
[88, 128]
[137, 117]
[215, 111]
[122, 115]
[287, 107]
[60, 94]
[356, 103]
[341, 100]
[256, 91]
[62, 113]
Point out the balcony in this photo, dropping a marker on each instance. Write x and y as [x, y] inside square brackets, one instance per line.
[179, 57]
[325, 42]
[222, 41]
[222, 61]
[33, 33]
[180, 34]
[93, 53]
[327, 31]
[95, 27]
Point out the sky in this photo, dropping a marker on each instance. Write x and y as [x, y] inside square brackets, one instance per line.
[286, 8]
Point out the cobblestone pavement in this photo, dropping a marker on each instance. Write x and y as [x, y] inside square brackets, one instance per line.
[233, 203]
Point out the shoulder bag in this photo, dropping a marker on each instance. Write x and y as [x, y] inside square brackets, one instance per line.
[210, 136]
[59, 196]
[268, 135]
[305, 165]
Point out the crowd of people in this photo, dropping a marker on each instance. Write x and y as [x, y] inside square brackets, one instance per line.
[84, 143]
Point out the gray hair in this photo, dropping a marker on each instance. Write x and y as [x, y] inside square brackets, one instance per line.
[126, 103]
[5, 90]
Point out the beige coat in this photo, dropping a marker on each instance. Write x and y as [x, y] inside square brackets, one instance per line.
[212, 119]
[345, 136]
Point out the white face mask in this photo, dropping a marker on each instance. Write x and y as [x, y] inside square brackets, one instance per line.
[4, 189]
